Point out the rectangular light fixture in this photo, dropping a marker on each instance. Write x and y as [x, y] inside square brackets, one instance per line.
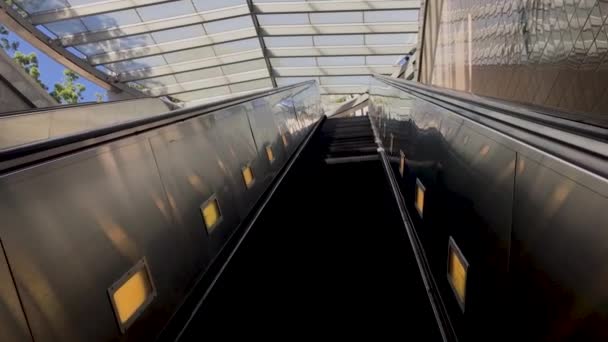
[211, 214]
[457, 272]
[284, 137]
[419, 203]
[401, 163]
[132, 294]
[269, 153]
[248, 177]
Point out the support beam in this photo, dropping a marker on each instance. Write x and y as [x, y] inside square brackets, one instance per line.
[334, 29]
[336, 6]
[207, 83]
[258, 30]
[359, 50]
[24, 29]
[90, 9]
[334, 71]
[155, 25]
[227, 90]
[192, 65]
[172, 46]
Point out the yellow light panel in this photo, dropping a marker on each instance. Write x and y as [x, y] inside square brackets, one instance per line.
[457, 274]
[269, 153]
[132, 295]
[248, 176]
[284, 140]
[402, 163]
[420, 198]
[211, 214]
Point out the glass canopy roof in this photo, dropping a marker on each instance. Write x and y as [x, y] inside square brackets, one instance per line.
[203, 50]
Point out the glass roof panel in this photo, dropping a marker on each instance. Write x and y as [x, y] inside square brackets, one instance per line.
[283, 19]
[110, 20]
[178, 33]
[81, 2]
[35, 6]
[293, 62]
[390, 39]
[156, 82]
[274, 42]
[336, 18]
[199, 74]
[382, 60]
[345, 80]
[338, 40]
[66, 27]
[341, 61]
[390, 16]
[166, 10]
[244, 66]
[185, 65]
[251, 85]
[188, 55]
[207, 5]
[136, 64]
[116, 44]
[228, 24]
[237, 46]
[202, 94]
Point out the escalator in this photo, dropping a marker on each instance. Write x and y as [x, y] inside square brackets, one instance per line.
[327, 257]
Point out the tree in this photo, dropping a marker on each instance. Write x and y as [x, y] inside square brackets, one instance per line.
[68, 92]
[5, 43]
[29, 63]
[99, 97]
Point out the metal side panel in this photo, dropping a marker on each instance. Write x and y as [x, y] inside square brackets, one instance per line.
[195, 168]
[285, 118]
[266, 134]
[13, 326]
[74, 226]
[558, 261]
[232, 137]
[467, 177]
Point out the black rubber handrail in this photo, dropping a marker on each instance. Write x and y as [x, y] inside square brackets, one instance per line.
[27, 154]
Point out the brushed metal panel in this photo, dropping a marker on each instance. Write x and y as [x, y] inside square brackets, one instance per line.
[194, 167]
[13, 326]
[469, 191]
[75, 225]
[558, 256]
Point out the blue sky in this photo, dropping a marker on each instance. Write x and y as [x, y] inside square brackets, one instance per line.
[51, 72]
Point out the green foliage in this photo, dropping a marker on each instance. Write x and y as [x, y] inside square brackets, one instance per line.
[99, 97]
[68, 91]
[29, 63]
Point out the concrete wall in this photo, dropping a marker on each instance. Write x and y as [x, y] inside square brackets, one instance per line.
[18, 90]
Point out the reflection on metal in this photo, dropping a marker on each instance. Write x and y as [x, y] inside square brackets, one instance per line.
[457, 272]
[484, 150]
[211, 214]
[248, 176]
[390, 150]
[401, 163]
[284, 138]
[269, 153]
[132, 294]
[419, 202]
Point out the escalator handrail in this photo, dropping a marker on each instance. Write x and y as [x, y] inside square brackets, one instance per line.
[27, 154]
[513, 109]
[586, 147]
